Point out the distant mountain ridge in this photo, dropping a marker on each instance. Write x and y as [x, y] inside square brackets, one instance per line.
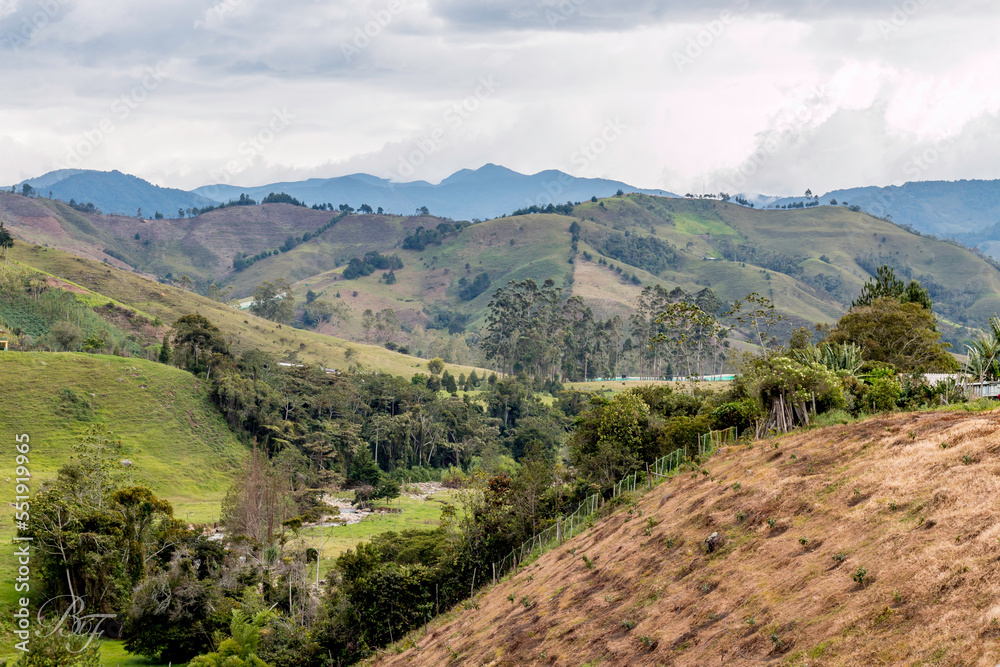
[115, 193]
[963, 210]
[943, 208]
[487, 192]
[950, 209]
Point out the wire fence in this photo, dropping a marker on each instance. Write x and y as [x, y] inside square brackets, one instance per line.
[565, 528]
[711, 441]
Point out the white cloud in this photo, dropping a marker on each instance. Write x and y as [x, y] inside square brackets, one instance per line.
[841, 101]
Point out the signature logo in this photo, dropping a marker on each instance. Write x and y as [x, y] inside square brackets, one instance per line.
[79, 629]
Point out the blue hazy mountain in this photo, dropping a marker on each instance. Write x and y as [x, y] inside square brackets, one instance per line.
[942, 208]
[959, 209]
[949, 209]
[487, 192]
[115, 192]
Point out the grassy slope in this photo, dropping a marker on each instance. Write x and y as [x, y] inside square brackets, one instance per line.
[204, 246]
[540, 250]
[836, 232]
[243, 328]
[919, 517]
[352, 236]
[178, 441]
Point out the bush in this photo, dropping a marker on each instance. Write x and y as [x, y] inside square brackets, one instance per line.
[742, 414]
[884, 395]
[75, 405]
[66, 334]
[416, 474]
[57, 650]
[454, 478]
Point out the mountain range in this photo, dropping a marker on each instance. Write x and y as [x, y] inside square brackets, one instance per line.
[811, 262]
[487, 192]
[967, 211]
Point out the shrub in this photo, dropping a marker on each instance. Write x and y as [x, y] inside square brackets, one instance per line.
[742, 414]
[58, 650]
[454, 478]
[66, 334]
[884, 395]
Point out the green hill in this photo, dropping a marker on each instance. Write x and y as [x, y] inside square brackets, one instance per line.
[242, 328]
[811, 262]
[177, 440]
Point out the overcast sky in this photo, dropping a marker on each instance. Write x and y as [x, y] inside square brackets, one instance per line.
[769, 96]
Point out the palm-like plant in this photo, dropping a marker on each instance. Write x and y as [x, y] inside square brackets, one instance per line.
[984, 354]
[843, 357]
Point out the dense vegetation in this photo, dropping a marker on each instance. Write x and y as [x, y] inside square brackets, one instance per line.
[470, 289]
[421, 238]
[241, 261]
[648, 253]
[372, 261]
[520, 462]
[752, 253]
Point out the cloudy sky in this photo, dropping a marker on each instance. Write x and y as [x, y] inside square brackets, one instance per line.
[766, 96]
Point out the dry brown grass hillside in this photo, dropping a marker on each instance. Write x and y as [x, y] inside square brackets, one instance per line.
[913, 499]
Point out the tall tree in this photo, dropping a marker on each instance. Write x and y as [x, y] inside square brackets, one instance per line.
[902, 334]
[274, 301]
[690, 334]
[758, 316]
[197, 343]
[6, 240]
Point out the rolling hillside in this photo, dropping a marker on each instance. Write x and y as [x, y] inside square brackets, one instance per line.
[177, 440]
[874, 543]
[810, 262]
[242, 328]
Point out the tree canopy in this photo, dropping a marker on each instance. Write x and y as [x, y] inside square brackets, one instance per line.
[901, 334]
[274, 301]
